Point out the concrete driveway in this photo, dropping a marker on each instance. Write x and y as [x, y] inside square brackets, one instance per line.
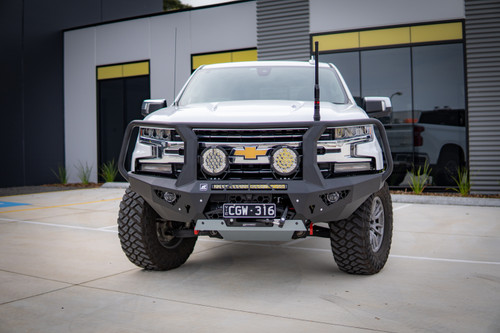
[62, 270]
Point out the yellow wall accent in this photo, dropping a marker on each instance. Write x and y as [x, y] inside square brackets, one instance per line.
[347, 40]
[436, 32]
[383, 37]
[126, 70]
[215, 58]
[109, 72]
[136, 69]
[249, 55]
[390, 36]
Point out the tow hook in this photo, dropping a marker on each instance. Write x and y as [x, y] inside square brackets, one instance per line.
[282, 219]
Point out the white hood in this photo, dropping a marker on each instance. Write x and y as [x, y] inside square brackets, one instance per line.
[255, 112]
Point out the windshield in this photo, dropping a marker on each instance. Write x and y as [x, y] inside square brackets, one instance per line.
[262, 83]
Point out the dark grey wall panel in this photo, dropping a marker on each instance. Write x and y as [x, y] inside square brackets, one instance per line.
[31, 89]
[11, 88]
[283, 29]
[482, 31]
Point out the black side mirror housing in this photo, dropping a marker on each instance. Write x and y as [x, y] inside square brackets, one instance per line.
[151, 105]
[377, 107]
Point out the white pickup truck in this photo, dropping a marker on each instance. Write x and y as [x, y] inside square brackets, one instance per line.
[244, 153]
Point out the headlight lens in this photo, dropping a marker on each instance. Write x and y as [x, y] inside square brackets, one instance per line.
[285, 161]
[151, 135]
[364, 132]
[214, 161]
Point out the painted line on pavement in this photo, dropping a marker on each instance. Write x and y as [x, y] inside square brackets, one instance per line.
[60, 225]
[108, 229]
[446, 260]
[402, 207]
[59, 206]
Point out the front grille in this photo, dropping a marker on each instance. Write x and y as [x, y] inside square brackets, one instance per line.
[262, 139]
[280, 135]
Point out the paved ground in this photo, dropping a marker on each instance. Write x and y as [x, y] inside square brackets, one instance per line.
[62, 270]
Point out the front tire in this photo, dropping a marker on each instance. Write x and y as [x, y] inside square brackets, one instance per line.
[146, 239]
[361, 243]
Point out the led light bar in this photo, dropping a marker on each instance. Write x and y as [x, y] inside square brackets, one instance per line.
[352, 167]
[156, 167]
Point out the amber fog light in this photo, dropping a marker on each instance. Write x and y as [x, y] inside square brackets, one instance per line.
[214, 161]
[285, 161]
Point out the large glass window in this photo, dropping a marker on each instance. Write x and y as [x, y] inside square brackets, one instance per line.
[427, 90]
[388, 73]
[439, 106]
[348, 64]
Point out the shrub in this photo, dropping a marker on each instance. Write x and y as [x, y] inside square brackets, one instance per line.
[462, 181]
[84, 172]
[109, 171]
[420, 178]
[61, 174]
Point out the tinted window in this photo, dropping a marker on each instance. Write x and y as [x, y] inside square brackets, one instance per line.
[427, 90]
[388, 73]
[438, 84]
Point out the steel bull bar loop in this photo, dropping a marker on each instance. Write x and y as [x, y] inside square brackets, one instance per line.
[315, 129]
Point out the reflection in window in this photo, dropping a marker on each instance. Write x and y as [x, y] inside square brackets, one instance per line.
[439, 102]
[348, 64]
[388, 73]
[438, 77]
[427, 90]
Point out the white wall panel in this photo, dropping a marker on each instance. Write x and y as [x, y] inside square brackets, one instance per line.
[224, 28]
[123, 42]
[80, 101]
[337, 15]
[170, 54]
[166, 40]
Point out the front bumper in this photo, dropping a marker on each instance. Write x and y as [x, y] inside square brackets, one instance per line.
[307, 199]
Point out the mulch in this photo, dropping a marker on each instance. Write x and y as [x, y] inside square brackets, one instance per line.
[449, 194]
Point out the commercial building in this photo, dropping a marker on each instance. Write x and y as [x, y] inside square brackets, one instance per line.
[437, 61]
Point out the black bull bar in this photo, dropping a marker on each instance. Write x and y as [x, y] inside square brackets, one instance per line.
[310, 167]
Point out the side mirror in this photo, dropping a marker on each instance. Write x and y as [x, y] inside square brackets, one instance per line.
[151, 105]
[377, 107]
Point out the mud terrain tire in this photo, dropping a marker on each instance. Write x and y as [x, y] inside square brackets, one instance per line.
[144, 236]
[361, 243]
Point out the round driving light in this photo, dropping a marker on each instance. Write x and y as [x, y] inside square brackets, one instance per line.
[285, 161]
[214, 161]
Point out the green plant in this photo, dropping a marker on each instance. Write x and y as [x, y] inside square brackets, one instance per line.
[462, 180]
[84, 172]
[61, 174]
[109, 171]
[420, 178]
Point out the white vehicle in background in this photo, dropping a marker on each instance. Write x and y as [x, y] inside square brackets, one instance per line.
[438, 138]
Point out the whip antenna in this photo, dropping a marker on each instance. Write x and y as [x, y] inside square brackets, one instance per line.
[317, 117]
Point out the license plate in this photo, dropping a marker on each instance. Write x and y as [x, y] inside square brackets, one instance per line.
[249, 210]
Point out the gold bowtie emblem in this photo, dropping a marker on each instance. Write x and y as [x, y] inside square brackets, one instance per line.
[250, 153]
